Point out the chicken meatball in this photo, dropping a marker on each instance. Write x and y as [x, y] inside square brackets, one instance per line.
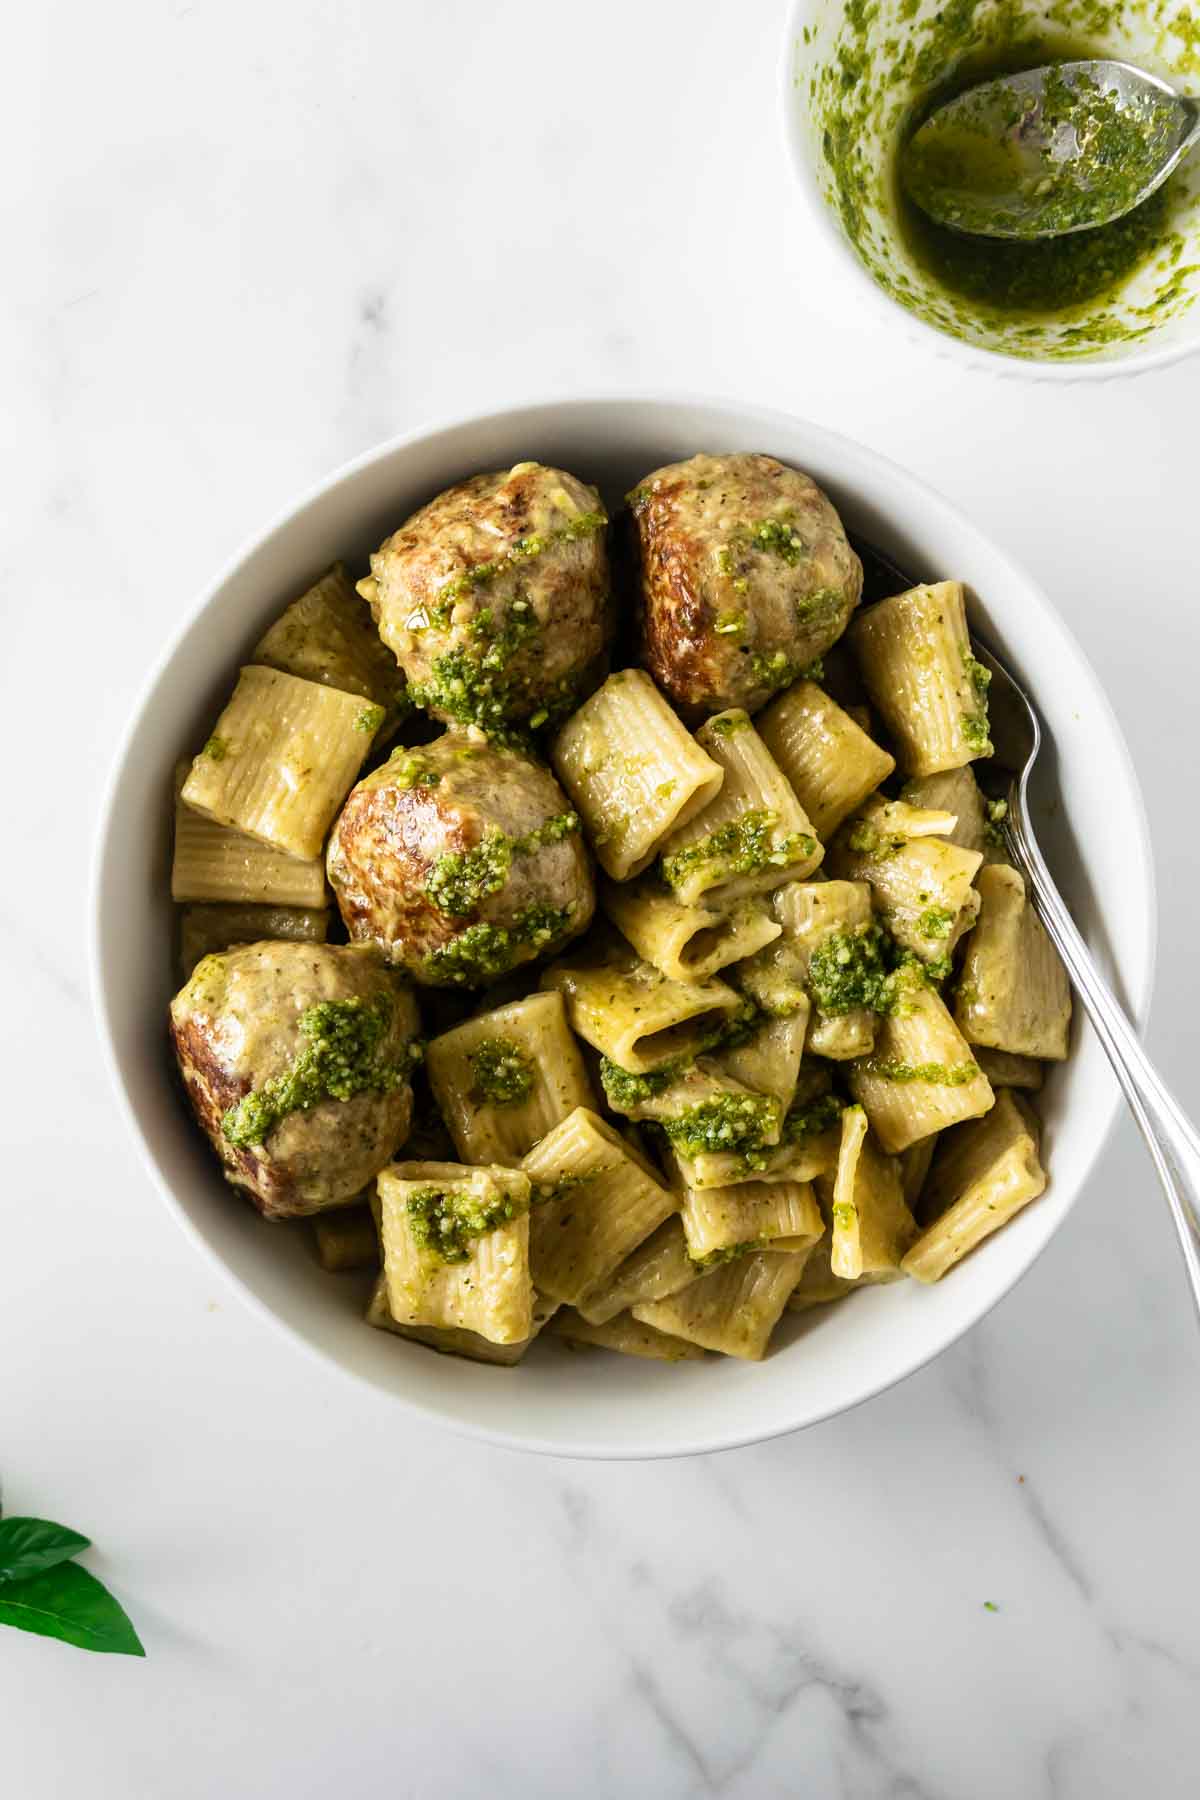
[460, 860]
[744, 575]
[296, 1059]
[495, 598]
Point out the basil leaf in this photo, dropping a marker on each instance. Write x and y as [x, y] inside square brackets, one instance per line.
[68, 1603]
[29, 1545]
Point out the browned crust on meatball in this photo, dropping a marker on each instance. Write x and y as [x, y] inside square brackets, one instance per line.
[722, 621]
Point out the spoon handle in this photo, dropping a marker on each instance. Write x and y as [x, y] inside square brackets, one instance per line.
[1171, 1139]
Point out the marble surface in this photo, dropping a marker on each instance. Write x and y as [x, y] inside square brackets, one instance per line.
[245, 243]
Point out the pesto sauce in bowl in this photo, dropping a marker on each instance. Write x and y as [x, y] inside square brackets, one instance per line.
[1063, 275]
[867, 73]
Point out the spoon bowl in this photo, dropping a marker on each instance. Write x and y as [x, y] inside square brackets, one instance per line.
[1049, 151]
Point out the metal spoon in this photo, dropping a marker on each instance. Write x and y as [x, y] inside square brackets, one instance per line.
[1049, 151]
[1016, 734]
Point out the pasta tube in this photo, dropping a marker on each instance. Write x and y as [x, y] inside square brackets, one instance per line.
[735, 1308]
[281, 760]
[456, 1248]
[914, 651]
[1013, 994]
[982, 1174]
[635, 1015]
[633, 771]
[685, 943]
[753, 835]
[595, 1200]
[921, 1076]
[213, 863]
[827, 757]
[505, 1077]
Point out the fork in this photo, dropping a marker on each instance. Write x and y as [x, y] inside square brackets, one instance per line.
[1170, 1137]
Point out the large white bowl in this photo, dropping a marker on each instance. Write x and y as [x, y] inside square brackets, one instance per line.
[597, 1404]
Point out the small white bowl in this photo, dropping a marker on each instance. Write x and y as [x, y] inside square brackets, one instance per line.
[885, 33]
[599, 1404]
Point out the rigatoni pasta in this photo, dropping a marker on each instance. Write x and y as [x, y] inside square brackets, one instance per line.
[824, 753]
[503, 1079]
[1013, 993]
[633, 771]
[213, 863]
[456, 1248]
[752, 835]
[915, 655]
[281, 759]
[685, 943]
[982, 1174]
[632, 1013]
[734, 1309]
[921, 1076]
[595, 1199]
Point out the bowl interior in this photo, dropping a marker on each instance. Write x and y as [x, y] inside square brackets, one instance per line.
[1089, 814]
[853, 77]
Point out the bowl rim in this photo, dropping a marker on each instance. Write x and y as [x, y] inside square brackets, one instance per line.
[612, 1449]
[1139, 361]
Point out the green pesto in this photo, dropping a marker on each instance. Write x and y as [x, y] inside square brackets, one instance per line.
[732, 1122]
[341, 1057]
[845, 1214]
[936, 922]
[968, 168]
[849, 971]
[730, 624]
[545, 1193]
[446, 1222]
[624, 1090]
[975, 722]
[868, 840]
[461, 881]
[937, 1074]
[778, 537]
[1062, 297]
[408, 769]
[774, 671]
[523, 550]
[501, 1072]
[369, 719]
[482, 952]
[809, 1118]
[717, 1259]
[997, 812]
[216, 749]
[742, 846]
[865, 969]
[482, 689]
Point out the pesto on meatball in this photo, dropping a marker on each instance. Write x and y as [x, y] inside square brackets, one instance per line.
[495, 598]
[297, 1061]
[460, 860]
[745, 578]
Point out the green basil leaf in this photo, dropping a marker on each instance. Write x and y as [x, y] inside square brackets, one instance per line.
[29, 1545]
[68, 1603]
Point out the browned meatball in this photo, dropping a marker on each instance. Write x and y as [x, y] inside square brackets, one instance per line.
[495, 598]
[745, 579]
[296, 1059]
[460, 860]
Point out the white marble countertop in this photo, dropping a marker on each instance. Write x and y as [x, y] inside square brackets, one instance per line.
[244, 243]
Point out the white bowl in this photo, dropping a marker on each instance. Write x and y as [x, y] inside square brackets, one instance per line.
[599, 1404]
[1145, 32]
